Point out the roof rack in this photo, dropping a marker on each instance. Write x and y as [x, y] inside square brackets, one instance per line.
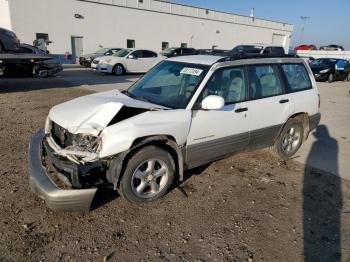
[241, 56]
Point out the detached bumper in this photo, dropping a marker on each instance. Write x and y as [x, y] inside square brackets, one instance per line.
[42, 185]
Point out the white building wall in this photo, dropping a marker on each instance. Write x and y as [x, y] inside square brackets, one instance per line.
[5, 21]
[325, 54]
[149, 23]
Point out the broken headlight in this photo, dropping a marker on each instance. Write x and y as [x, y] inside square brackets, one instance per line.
[87, 142]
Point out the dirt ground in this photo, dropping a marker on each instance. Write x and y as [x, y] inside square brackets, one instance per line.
[249, 207]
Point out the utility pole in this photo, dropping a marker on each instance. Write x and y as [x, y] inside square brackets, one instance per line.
[303, 24]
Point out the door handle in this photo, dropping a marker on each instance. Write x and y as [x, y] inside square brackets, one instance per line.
[283, 101]
[240, 110]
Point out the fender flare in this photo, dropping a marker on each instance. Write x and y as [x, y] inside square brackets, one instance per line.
[117, 164]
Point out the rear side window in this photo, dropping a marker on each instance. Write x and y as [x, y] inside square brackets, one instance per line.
[297, 77]
[264, 81]
[148, 54]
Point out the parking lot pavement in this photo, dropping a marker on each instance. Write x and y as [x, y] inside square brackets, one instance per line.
[328, 148]
[94, 81]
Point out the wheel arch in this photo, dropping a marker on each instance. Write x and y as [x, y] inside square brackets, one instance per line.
[303, 117]
[119, 162]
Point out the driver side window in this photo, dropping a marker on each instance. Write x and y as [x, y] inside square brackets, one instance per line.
[229, 83]
[136, 54]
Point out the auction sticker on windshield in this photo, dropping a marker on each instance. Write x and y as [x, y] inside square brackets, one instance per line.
[191, 71]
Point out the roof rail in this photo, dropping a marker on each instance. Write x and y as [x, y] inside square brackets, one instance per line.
[241, 56]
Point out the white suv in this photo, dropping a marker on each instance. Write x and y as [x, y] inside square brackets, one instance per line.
[185, 112]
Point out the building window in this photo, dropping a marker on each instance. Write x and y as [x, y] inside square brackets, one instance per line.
[130, 43]
[42, 36]
[184, 45]
[165, 45]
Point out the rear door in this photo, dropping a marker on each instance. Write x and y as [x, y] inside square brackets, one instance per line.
[216, 133]
[147, 60]
[300, 88]
[269, 105]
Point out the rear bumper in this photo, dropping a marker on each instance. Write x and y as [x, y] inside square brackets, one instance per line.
[42, 185]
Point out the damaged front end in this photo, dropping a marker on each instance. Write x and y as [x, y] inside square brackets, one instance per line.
[71, 146]
[43, 184]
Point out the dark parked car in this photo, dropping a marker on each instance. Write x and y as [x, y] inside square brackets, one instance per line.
[330, 69]
[85, 60]
[8, 41]
[332, 48]
[48, 67]
[222, 52]
[259, 49]
[178, 51]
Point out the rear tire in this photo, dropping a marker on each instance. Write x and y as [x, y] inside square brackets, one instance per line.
[148, 175]
[290, 139]
[330, 78]
[347, 78]
[118, 70]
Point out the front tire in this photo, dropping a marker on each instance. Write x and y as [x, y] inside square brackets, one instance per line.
[330, 78]
[118, 70]
[290, 139]
[148, 175]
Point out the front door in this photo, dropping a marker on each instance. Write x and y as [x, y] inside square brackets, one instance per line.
[77, 47]
[216, 133]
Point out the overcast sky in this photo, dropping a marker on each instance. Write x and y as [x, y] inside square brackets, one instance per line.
[329, 21]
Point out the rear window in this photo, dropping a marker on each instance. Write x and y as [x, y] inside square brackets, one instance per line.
[297, 77]
[265, 81]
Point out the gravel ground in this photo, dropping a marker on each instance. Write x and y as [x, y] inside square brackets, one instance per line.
[249, 207]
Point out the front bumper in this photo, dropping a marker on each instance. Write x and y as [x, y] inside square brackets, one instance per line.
[42, 185]
[321, 77]
[104, 68]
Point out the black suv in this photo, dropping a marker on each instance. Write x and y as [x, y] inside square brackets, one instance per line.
[259, 49]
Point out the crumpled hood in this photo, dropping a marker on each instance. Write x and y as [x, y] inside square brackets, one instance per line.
[90, 114]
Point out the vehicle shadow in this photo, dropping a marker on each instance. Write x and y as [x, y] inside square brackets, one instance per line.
[322, 203]
[102, 197]
[69, 78]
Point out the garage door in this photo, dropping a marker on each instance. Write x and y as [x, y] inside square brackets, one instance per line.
[278, 39]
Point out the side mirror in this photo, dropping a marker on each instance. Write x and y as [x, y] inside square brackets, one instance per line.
[108, 53]
[213, 103]
[132, 57]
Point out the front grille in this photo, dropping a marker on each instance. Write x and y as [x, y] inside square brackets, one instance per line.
[61, 136]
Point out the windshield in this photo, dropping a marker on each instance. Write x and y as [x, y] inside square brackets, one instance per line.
[168, 50]
[248, 48]
[102, 51]
[323, 62]
[122, 53]
[170, 84]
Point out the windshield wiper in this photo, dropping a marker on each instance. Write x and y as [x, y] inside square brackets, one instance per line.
[141, 98]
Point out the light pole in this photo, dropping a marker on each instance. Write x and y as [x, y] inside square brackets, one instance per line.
[304, 19]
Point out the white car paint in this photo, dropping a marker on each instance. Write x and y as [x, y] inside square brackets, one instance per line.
[131, 62]
[91, 114]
